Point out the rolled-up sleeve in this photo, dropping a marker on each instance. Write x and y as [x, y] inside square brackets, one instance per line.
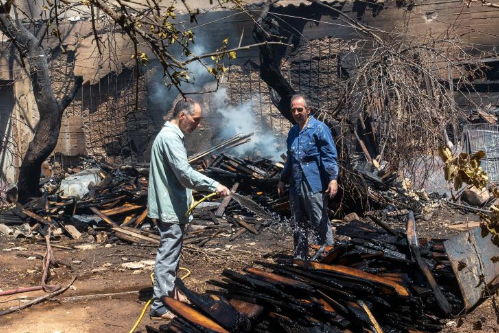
[176, 157]
[328, 153]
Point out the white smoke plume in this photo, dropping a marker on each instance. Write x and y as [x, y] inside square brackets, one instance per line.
[241, 119]
[236, 119]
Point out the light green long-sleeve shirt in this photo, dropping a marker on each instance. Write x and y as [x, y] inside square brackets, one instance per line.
[171, 178]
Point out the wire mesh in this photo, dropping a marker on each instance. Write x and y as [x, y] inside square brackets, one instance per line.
[484, 137]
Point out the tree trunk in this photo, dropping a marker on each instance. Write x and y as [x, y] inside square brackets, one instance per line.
[49, 108]
[270, 71]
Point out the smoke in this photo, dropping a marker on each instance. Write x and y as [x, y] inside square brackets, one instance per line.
[161, 98]
[236, 119]
[241, 119]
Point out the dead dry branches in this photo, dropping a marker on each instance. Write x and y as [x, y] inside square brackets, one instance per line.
[405, 89]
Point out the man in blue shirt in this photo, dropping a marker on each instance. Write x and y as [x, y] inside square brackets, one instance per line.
[311, 169]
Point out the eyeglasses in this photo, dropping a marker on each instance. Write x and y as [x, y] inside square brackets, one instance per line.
[297, 109]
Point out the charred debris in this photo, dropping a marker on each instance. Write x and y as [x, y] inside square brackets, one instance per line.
[376, 278]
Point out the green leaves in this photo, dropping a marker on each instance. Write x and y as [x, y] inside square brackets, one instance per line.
[464, 168]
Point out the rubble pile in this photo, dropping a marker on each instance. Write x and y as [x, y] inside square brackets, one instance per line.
[112, 200]
[375, 279]
[371, 283]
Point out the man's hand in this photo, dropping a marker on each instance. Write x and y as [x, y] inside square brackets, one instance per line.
[280, 188]
[332, 188]
[222, 191]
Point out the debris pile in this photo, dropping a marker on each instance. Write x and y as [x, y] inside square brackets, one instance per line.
[110, 204]
[374, 282]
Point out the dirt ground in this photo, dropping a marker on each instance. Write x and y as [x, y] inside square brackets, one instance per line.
[99, 270]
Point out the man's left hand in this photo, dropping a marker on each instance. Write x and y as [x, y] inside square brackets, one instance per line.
[332, 188]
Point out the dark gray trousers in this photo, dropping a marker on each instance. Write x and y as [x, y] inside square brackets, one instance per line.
[167, 263]
[309, 212]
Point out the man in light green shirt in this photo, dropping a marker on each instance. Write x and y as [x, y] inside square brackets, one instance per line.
[171, 180]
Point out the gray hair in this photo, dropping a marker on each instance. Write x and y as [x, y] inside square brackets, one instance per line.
[298, 96]
[184, 105]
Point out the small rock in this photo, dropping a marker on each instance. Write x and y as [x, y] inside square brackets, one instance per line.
[99, 269]
[451, 323]
[101, 237]
[76, 262]
[17, 248]
[5, 230]
[133, 265]
[85, 246]
[107, 264]
[107, 246]
[57, 232]
[475, 197]
[148, 262]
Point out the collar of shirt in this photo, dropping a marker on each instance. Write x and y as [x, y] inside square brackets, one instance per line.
[174, 128]
[310, 124]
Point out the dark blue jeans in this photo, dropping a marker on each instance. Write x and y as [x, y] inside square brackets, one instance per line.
[309, 213]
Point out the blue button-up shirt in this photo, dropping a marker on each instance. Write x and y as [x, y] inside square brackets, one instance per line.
[312, 157]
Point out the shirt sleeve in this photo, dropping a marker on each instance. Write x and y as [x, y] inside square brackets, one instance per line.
[176, 157]
[328, 153]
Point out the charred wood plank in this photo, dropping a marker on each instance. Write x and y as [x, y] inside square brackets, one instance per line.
[37, 217]
[372, 320]
[225, 202]
[335, 286]
[193, 316]
[412, 239]
[256, 284]
[278, 280]
[343, 270]
[245, 225]
[217, 308]
[250, 310]
[276, 304]
[134, 236]
[385, 226]
[103, 217]
[238, 233]
[214, 218]
[331, 286]
[120, 210]
[335, 253]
